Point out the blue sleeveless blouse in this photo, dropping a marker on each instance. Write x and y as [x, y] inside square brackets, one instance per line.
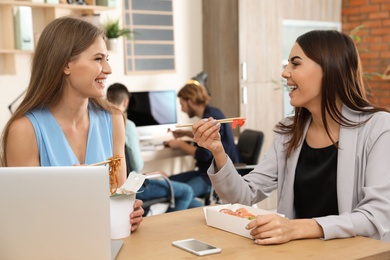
[54, 149]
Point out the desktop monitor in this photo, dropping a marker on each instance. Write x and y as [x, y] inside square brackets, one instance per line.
[151, 109]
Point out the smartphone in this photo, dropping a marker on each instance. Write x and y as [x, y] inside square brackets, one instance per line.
[196, 247]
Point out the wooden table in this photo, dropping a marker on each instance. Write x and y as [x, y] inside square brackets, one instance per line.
[153, 241]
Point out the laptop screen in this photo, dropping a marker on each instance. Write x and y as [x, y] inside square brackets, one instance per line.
[54, 213]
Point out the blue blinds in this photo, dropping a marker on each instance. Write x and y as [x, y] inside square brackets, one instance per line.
[152, 47]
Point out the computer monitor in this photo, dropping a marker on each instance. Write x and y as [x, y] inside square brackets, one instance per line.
[152, 109]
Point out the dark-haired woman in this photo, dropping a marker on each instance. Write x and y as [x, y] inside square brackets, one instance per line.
[329, 162]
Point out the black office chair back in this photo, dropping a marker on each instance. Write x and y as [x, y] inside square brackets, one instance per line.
[127, 158]
[249, 146]
[147, 203]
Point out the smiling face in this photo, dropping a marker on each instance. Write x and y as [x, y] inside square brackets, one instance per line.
[304, 79]
[87, 74]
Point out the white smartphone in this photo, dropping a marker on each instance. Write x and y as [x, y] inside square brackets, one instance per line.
[196, 247]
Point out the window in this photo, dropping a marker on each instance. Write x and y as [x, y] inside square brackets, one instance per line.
[152, 47]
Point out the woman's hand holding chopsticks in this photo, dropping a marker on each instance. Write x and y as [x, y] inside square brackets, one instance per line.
[206, 135]
[234, 120]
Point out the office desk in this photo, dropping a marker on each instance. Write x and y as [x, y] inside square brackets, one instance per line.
[159, 152]
[154, 237]
[168, 160]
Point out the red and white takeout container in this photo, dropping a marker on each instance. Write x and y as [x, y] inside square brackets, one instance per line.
[231, 223]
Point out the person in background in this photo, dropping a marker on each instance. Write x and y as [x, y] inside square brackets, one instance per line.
[329, 162]
[63, 119]
[194, 100]
[119, 95]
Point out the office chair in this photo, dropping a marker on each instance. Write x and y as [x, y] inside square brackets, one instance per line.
[249, 147]
[148, 203]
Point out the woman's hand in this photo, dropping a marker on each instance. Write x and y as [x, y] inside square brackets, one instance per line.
[275, 229]
[271, 229]
[206, 134]
[136, 216]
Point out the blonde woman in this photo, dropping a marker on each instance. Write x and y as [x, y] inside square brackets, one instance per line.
[63, 119]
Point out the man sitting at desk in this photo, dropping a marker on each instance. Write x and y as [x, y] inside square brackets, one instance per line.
[184, 197]
[194, 99]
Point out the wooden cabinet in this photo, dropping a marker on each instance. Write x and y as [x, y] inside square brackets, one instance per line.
[221, 54]
[260, 59]
[242, 55]
[42, 14]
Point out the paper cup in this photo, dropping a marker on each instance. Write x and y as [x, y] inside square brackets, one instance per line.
[120, 209]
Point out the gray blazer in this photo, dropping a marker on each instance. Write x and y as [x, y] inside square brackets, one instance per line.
[363, 179]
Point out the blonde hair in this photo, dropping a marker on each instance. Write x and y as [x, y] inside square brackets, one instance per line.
[63, 40]
[195, 92]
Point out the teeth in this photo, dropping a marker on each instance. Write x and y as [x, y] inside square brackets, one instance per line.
[101, 80]
[291, 88]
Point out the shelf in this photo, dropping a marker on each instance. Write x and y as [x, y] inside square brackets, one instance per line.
[58, 6]
[43, 13]
[7, 51]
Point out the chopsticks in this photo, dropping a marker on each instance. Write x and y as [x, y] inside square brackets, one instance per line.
[105, 162]
[100, 163]
[222, 121]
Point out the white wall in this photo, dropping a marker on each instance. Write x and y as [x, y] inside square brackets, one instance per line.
[188, 50]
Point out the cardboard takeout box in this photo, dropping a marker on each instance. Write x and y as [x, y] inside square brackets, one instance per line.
[230, 223]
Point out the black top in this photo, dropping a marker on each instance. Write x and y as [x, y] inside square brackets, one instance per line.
[315, 193]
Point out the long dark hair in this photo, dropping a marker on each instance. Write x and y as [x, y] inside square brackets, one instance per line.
[339, 59]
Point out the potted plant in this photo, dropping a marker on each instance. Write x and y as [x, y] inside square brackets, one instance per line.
[113, 31]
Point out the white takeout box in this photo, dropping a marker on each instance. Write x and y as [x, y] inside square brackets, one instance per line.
[122, 204]
[231, 223]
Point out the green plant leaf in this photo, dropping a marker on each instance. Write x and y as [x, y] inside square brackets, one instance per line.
[112, 30]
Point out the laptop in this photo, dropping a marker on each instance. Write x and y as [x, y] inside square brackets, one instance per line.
[55, 213]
